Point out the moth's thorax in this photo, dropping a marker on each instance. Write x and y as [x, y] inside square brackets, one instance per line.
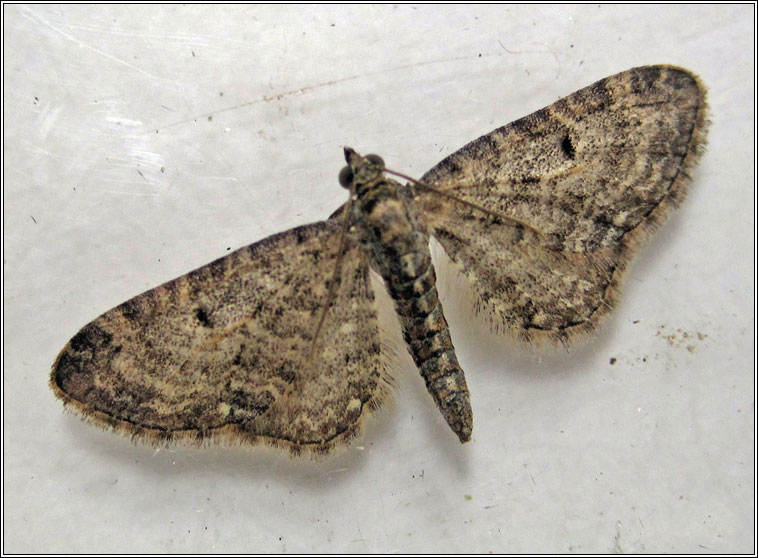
[390, 228]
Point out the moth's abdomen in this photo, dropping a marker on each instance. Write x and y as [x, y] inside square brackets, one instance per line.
[428, 337]
[400, 247]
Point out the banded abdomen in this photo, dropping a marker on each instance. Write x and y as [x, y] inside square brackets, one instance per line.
[399, 244]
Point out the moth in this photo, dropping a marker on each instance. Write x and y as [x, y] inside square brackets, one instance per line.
[278, 342]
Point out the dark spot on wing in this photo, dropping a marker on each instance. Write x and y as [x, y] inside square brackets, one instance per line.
[202, 317]
[568, 147]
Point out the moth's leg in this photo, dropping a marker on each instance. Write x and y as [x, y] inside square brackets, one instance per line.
[428, 337]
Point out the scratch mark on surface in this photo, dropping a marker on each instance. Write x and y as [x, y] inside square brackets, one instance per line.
[541, 49]
[121, 121]
[47, 120]
[131, 193]
[617, 540]
[32, 16]
[37, 149]
[307, 88]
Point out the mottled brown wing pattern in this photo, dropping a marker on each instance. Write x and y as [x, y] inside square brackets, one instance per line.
[279, 342]
[593, 173]
[227, 350]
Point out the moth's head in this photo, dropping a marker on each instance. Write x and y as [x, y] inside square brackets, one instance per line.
[360, 170]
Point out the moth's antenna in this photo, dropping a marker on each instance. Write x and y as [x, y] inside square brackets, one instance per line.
[444, 194]
[334, 279]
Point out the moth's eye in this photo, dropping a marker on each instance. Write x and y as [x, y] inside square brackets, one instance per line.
[346, 177]
[375, 160]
